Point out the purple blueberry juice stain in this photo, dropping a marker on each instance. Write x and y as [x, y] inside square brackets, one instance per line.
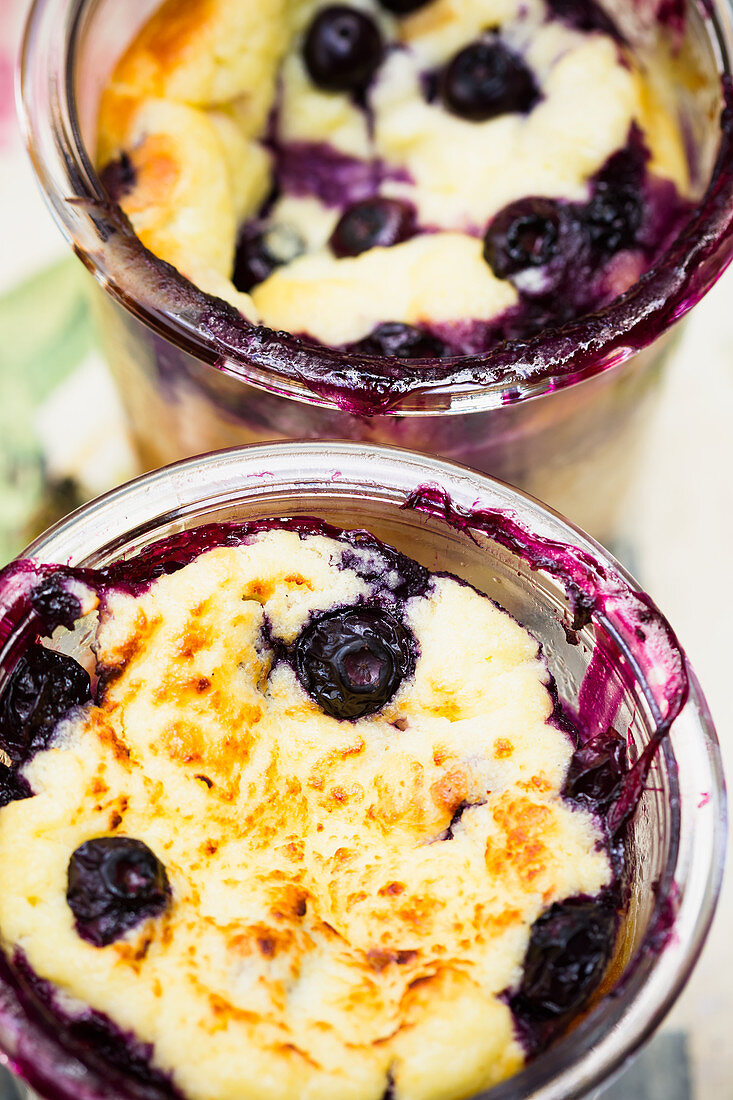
[571, 943]
[317, 170]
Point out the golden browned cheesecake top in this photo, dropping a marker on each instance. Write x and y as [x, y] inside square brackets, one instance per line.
[349, 897]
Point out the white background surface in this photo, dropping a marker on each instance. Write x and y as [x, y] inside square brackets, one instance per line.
[679, 529]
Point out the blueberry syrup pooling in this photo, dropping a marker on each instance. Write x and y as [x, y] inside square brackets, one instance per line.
[353, 661]
[115, 882]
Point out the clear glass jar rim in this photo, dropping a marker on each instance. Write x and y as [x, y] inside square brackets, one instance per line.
[282, 364]
[600, 1044]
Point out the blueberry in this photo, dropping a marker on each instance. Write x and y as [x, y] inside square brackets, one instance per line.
[613, 217]
[118, 177]
[596, 772]
[343, 49]
[43, 687]
[400, 341]
[55, 604]
[403, 7]
[114, 883]
[13, 787]
[485, 80]
[353, 661]
[569, 949]
[260, 251]
[372, 223]
[524, 234]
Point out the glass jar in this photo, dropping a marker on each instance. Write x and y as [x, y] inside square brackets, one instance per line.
[607, 668]
[561, 415]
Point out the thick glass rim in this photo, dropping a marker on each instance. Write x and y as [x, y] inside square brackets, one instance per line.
[280, 363]
[175, 495]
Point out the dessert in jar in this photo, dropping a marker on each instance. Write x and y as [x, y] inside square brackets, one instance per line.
[451, 255]
[416, 180]
[307, 816]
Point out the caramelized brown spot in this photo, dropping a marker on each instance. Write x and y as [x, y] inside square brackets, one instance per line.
[392, 889]
[450, 790]
[503, 748]
[297, 581]
[205, 779]
[115, 820]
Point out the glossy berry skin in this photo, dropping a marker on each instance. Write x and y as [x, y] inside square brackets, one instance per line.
[42, 689]
[13, 787]
[114, 883]
[260, 252]
[398, 341]
[351, 662]
[524, 234]
[372, 223]
[343, 49]
[569, 949]
[485, 80]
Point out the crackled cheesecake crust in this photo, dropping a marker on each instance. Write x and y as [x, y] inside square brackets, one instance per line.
[343, 905]
[385, 217]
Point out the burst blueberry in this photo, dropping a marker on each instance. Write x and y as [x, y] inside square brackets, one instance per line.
[42, 689]
[524, 234]
[569, 949]
[343, 49]
[114, 883]
[372, 223]
[351, 662]
[613, 218]
[487, 79]
[395, 340]
[118, 177]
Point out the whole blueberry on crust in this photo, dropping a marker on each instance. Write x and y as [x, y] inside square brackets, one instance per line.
[352, 661]
[372, 223]
[114, 883]
[396, 340]
[569, 949]
[42, 689]
[487, 79]
[523, 234]
[343, 48]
